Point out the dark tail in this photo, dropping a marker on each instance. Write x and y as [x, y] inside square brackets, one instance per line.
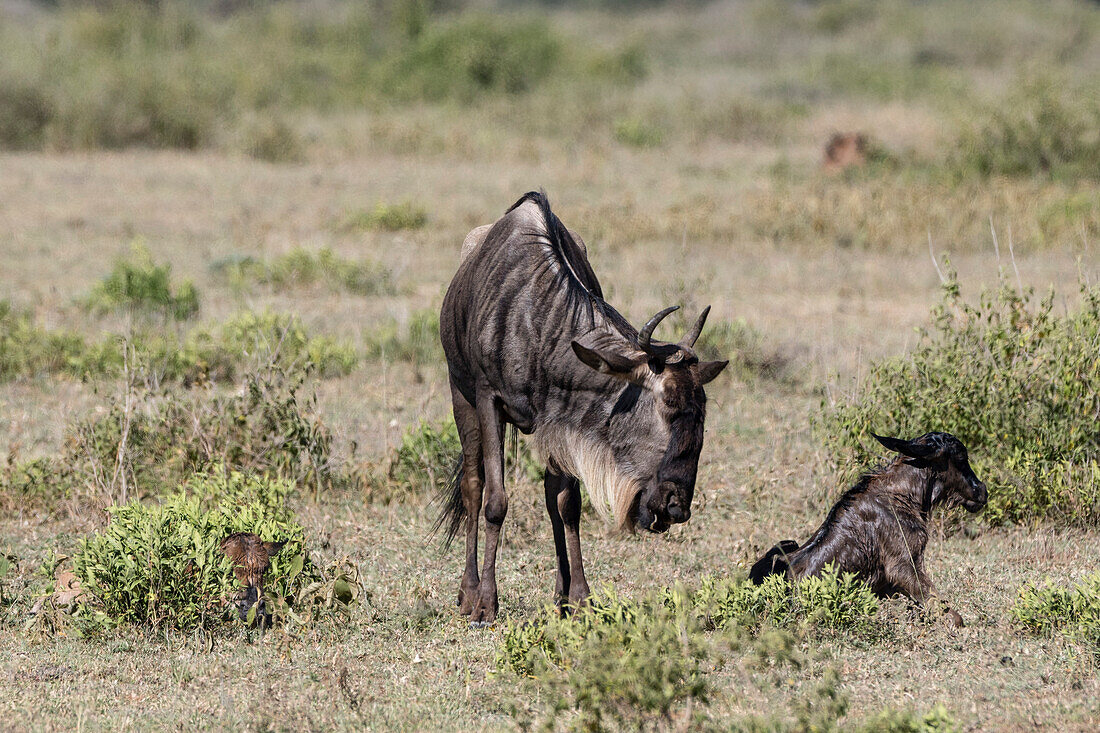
[774, 562]
[453, 510]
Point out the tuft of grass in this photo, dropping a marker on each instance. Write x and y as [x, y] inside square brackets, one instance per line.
[389, 217]
[30, 350]
[1016, 382]
[272, 140]
[301, 268]
[416, 342]
[638, 133]
[1048, 609]
[138, 285]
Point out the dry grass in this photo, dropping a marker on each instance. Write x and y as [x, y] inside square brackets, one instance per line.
[727, 208]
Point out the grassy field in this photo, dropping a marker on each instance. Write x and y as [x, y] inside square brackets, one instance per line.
[684, 142]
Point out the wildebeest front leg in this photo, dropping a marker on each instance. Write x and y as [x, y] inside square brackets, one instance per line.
[569, 504]
[554, 485]
[494, 505]
[469, 434]
[915, 584]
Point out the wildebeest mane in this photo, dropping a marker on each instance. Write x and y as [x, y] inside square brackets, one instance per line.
[574, 273]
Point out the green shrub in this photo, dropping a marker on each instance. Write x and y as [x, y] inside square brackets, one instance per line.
[162, 565]
[150, 441]
[272, 140]
[262, 338]
[1017, 383]
[613, 662]
[303, 268]
[1048, 609]
[25, 111]
[473, 55]
[139, 285]
[1041, 129]
[417, 342]
[388, 217]
[423, 464]
[638, 133]
[937, 720]
[830, 600]
[29, 350]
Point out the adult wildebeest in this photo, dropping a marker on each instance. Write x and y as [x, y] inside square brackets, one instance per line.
[530, 342]
[251, 557]
[879, 528]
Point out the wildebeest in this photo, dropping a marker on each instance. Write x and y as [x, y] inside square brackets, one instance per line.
[530, 342]
[879, 528]
[251, 557]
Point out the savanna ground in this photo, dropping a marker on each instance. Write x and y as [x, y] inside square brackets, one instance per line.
[684, 143]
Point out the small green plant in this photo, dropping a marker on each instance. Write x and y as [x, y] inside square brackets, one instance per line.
[1016, 382]
[162, 565]
[426, 460]
[638, 133]
[1048, 609]
[388, 217]
[416, 342]
[831, 600]
[138, 285]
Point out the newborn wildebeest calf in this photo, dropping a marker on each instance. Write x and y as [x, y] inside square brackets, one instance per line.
[251, 557]
[879, 527]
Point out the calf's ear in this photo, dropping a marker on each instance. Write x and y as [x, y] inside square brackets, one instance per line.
[906, 447]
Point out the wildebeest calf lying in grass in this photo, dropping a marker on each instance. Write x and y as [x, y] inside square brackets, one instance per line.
[251, 557]
[878, 529]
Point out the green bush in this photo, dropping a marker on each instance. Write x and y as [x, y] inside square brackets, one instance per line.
[151, 441]
[423, 464]
[162, 565]
[1048, 609]
[417, 342]
[613, 662]
[638, 133]
[831, 600]
[262, 338]
[303, 268]
[388, 217]
[25, 111]
[1041, 129]
[473, 55]
[139, 285]
[29, 350]
[1016, 382]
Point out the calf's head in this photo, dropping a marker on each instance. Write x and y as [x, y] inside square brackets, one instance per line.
[251, 558]
[655, 429]
[953, 482]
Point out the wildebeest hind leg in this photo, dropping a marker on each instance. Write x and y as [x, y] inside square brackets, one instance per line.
[569, 504]
[494, 504]
[554, 484]
[472, 477]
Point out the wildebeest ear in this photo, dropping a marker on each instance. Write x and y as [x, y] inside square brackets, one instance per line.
[708, 370]
[607, 361]
[906, 447]
[273, 548]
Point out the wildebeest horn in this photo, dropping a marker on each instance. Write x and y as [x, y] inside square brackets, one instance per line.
[647, 329]
[697, 329]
